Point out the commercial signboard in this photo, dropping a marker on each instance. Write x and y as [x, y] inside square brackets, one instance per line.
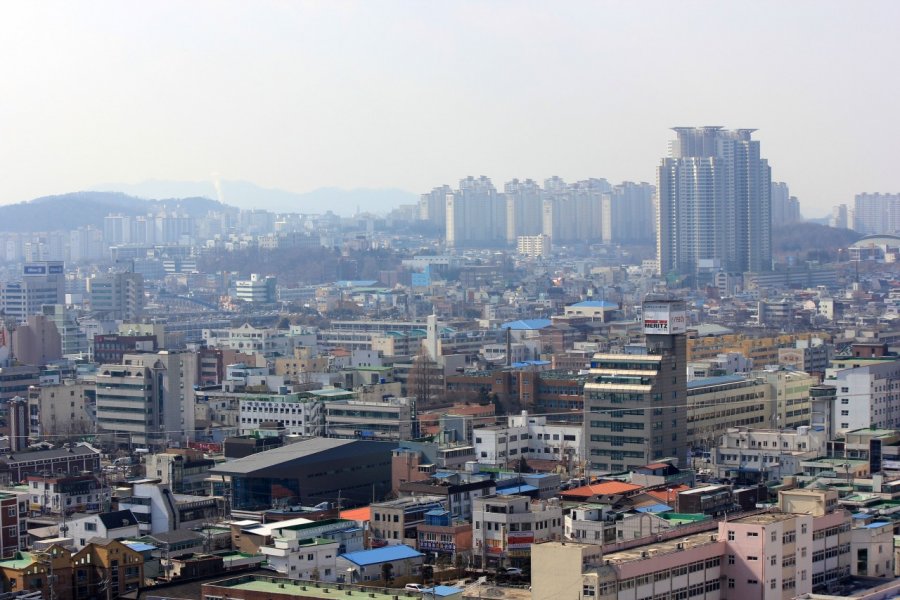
[519, 540]
[664, 318]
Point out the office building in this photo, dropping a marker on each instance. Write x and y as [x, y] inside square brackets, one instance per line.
[505, 527]
[43, 282]
[257, 289]
[714, 204]
[148, 400]
[635, 404]
[73, 340]
[117, 296]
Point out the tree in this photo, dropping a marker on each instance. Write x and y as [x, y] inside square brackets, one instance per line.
[425, 380]
[387, 572]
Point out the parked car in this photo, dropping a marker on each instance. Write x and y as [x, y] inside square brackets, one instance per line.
[512, 571]
[414, 587]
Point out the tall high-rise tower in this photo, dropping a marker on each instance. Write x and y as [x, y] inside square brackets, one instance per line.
[714, 208]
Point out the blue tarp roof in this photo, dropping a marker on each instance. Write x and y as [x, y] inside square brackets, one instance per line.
[140, 546]
[517, 489]
[443, 590]
[527, 324]
[654, 508]
[380, 555]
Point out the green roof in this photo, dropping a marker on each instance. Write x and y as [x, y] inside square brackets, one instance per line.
[20, 560]
[289, 587]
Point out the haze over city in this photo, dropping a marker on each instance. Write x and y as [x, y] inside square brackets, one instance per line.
[299, 96]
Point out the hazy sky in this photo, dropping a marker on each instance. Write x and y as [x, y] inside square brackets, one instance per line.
[415, 94]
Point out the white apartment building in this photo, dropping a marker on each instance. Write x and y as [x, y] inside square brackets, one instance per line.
[766, 454]
[251, 340]
[867, 396]
[528, 436]
[297, 414]
[312, 559]
[505, 527]
[389, 419]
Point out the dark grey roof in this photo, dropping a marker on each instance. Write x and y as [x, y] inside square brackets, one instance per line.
[174, 536]
[117, 519]
[291, 452]
[49, 454]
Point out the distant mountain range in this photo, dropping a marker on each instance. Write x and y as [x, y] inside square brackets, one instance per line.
[244, 194]
[69, 211]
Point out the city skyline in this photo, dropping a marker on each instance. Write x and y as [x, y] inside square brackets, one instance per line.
[414, 96]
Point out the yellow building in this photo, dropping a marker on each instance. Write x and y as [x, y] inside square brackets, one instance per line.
[763, 350]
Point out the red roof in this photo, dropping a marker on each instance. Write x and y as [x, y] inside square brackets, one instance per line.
[606, 488]
[668, 494]
[358, 514]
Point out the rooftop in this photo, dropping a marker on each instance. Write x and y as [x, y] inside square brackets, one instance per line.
[278, 586]
[284, 454]
[665, 547]
[381, 555]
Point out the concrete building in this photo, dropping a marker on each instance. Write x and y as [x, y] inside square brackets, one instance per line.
[526, 436]
[476, 215]
[116, 296]
[867, 395]
[389, 419]
[42, 282]
[790, 406]
[716, 404]
[298, 414]
[60, 410]
[505, 527]
[148, 399]
[257, 289]
[760, 455]
[184, 470]
[73, 340]
[876, 213]
[251, 340]
[66, 494]
[310, 559]
[534, 246]
[623, 429]
[396, 521]
[629, 214]
[714, 204]
[37, 341]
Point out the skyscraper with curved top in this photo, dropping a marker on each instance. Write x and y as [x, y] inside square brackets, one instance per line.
[714, 204]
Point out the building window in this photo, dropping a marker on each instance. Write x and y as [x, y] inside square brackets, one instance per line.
[730, 536]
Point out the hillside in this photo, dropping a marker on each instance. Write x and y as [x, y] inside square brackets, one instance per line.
[811, 241]
[245, 194]
[68, 211]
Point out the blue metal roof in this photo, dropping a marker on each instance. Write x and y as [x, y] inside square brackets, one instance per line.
[380, 555]
[527, 324]
[517, 489]
[876, 524]
[721, 380]
[530, 363]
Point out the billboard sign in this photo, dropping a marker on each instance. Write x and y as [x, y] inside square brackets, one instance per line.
[664, 318]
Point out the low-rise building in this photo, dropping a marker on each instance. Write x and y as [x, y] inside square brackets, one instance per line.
[505, 527]
[759, 455]
[381, 564]
[395, 521]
